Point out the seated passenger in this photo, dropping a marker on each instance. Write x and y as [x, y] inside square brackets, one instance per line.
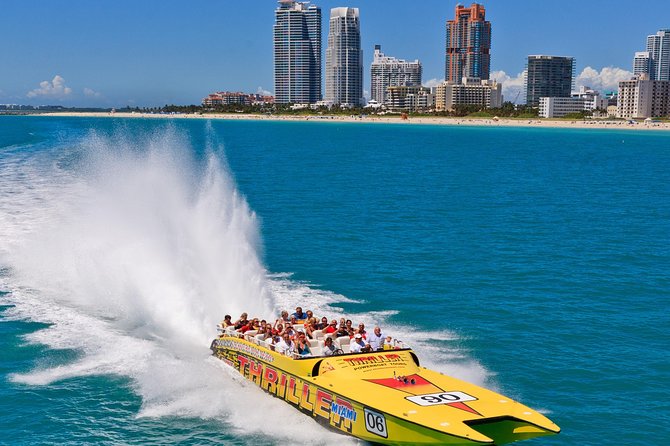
[226, 322]
[309, 327]
[265, 334]
[332, 328]
[323, 324]
[286, 346]
[361, 331]
[299, 314]
[241, 322]
[288, 329]
[283, 318]
[359, 345]
[388, 343]
[342, 331]
[329, 348]
[309, 314]
[376, 339]
[303, 346]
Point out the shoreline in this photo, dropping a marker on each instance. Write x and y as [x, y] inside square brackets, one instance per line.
[486, 122]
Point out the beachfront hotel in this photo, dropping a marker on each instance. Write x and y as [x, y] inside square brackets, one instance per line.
[468, 44]
[344, 59]
[655, 61]
[642, 97]
[297, 53]
[548, 76]
[387, 71]
[469, 91]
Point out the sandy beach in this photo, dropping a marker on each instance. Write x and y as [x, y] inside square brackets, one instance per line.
[500, 122]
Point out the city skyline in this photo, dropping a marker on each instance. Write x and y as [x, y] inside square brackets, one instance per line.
[131, 53]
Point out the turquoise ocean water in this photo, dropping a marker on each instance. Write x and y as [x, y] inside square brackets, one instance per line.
[532, 261]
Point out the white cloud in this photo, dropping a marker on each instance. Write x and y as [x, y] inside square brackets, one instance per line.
[607, 79]
[54, 89]
[89, 92]
[263, 92]
[433, 82]
[512, 87]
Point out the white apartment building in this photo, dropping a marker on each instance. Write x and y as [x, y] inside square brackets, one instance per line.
[472, 91]
[642, 98]
[412, 98]
[387, 71]
[344, 59]
[585, 99]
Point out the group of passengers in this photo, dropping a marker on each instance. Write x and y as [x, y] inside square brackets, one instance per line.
[290, 334]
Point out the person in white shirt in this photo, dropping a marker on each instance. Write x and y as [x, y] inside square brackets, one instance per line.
[359, 344]
[376, 339]
[286, 346]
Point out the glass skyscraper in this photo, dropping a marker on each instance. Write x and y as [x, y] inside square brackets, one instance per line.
[468, 46]
[297, 53]
[548, 76]
[344, 59]
[658, 47]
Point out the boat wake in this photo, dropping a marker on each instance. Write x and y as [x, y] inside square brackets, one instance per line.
[131, 247]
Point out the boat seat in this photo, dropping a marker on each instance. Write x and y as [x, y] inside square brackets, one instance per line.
[316, 351]
[342, 341]
[345, 348]
[318, 334]
[314, 343]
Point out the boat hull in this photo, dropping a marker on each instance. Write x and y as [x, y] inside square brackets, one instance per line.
[306, 385]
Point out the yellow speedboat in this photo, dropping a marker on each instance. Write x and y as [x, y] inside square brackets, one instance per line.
[383, 397]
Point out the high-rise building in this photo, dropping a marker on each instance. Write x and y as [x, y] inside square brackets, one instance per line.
[344, 59]
[548, 76]
[387, 71]
[658, 47]
[468, 47]
[642, 63]
[642, 97]
[297, 53]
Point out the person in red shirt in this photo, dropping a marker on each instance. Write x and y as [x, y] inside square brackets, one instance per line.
[331, 328]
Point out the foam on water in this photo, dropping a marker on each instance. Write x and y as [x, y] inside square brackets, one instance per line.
[132, 250]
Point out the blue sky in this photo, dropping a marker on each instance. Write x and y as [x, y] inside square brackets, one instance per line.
[156, 52]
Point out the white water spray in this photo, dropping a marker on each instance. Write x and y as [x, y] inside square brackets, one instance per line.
[134, 250]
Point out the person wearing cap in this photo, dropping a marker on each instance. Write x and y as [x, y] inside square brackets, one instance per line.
[359, 344]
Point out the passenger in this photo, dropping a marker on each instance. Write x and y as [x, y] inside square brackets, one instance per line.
[279, 330]
[309, 327]
[299, 314]
[294, 321]
[349, 324]
[286, 346]
[342, 331]
[361, 331]
[241, 322]
[309, 314]
[267, 333]
[252, 325]
[283, 318]
[303, 346]
[332, 328]
[359, 345]
[388, 343]
[323, 324]
[329, 348]
[226, 322]
[376, 339]
[288, 329]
